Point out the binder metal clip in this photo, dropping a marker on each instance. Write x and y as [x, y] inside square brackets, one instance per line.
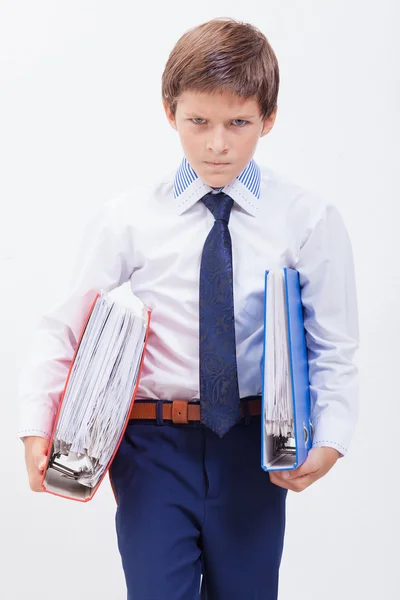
[57, 466]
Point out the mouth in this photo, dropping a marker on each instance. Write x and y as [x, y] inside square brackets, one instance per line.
[217, 164]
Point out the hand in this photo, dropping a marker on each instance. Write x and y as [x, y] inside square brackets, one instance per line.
[36, 449]
[318, 462]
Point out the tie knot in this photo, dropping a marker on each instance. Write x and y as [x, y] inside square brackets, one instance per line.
[219, 204]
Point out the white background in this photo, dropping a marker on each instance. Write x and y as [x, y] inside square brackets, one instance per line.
[80, 119]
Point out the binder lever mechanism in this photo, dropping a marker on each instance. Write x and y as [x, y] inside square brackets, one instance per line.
[57, 466]
[284, 444]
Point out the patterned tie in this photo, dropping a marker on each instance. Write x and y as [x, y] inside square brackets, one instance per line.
[219, 390]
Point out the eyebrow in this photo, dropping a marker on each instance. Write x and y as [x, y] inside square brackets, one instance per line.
[194, 115]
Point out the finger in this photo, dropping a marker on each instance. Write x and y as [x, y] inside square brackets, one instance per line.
[40, 460]
[301, 471]
[310, 466]
[298, 484]
[41, 463]
[293, 476]
[284, 476]
[302, 483]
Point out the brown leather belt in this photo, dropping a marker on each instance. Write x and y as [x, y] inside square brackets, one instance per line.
[181, 411]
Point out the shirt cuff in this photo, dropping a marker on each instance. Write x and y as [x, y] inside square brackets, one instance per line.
[332, 433]
[33, 432]
[36, 420]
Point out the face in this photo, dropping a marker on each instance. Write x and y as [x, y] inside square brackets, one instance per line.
[218, 132]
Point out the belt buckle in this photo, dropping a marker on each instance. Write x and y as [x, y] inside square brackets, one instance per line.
[180, 411]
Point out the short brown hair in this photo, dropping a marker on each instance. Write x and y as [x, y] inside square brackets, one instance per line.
[223, 55]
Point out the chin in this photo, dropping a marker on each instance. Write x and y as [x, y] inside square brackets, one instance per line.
[215, 180]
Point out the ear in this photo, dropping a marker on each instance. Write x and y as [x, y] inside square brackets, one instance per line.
[269, 123]
[169, 114]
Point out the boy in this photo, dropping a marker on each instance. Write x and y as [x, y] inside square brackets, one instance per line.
[192, 497]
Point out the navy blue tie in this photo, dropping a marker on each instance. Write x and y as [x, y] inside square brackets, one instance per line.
[219, 390]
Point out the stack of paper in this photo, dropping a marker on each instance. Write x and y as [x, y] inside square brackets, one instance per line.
[278, 416]
[99, 390]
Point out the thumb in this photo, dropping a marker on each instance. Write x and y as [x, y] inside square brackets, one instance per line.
[40, 459]
[40, 462]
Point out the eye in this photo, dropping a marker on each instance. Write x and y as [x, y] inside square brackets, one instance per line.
[239, 122]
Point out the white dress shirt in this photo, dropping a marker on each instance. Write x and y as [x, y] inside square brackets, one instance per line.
[153, 236]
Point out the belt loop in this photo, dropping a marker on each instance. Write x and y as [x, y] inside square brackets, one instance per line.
[159, 412]
[180, 411]
[245, 408]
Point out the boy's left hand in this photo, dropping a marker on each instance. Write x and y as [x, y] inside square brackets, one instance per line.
[318, 462]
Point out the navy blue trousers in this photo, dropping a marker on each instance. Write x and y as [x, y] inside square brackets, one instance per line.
[190, 503]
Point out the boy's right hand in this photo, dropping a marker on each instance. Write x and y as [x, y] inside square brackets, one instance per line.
[35, 459]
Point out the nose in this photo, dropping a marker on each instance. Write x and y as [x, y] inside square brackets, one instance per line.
[217, 143]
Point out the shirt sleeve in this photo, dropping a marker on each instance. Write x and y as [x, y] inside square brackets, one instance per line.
[103, 263]
[327, 280]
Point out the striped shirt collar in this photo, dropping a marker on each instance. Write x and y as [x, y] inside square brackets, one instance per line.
[244, 189]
